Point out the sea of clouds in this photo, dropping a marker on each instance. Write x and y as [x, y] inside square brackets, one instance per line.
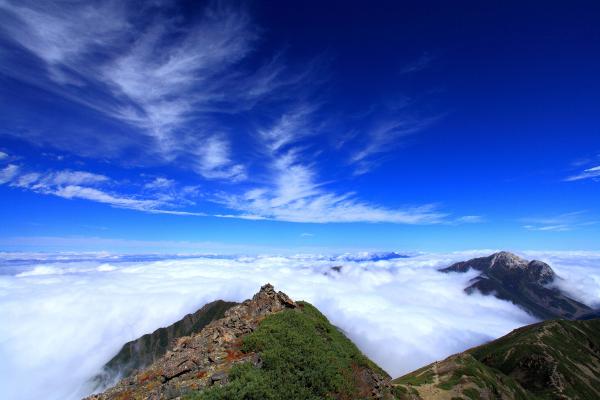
[63, 316]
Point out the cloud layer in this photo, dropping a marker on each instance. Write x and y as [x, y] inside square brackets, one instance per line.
[73, 316]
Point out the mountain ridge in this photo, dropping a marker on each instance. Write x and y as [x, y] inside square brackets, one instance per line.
[143, 351]
[524, 283]
[264, 348]
[556, 359]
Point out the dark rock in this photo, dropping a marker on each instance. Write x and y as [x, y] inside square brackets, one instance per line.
[219, 377]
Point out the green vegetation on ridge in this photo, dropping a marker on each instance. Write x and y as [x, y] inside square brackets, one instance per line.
[304, 357]
[552, 357]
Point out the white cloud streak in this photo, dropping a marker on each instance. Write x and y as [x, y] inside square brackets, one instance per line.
[8, 173]
[170, 81]
[590, 173]
[384, 137]
[62, 34]
[559, 223]
[295, 194]
[160, 78]
[166, 83]
[214, 161]
[83, 185]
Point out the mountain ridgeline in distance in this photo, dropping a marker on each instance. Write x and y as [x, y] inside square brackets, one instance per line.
[524, 283]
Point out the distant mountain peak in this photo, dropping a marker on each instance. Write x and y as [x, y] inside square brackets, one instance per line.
[507, 263]
[508, 260]
[525, 283]
[535, 270]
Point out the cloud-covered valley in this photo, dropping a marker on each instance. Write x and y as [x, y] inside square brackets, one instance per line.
[62, 320]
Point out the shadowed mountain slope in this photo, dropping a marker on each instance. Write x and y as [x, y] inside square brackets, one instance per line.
[524, 283]
[143, 351]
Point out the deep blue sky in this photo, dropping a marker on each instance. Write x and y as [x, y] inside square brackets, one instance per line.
[300, 126]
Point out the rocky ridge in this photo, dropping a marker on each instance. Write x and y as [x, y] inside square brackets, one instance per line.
[524, 283]
[202, 359]
[142, 352]
[299, 346]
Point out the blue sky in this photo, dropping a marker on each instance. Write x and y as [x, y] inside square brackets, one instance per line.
[292, 126]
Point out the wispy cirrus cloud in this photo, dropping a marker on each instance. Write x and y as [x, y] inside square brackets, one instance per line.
[62, 37]
[8, 173]
[589, 173]
[174, 86]
[295, 193]
[69, 184]
[468, 219]
[421, 63]
[381, 130]
[165, 80]
[385, 137]
[558, 223]
[295, 196]
[215, 162]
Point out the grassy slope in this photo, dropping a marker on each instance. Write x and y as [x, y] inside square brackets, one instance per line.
[541, 361]
[304, 357]
[461, 377]
[550, 357]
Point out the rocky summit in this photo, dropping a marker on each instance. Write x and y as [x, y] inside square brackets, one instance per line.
[524, 283]
[268, 347]
[548, 360]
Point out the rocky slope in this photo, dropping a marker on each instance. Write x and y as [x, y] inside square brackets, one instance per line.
[525, 283]
[269, 347]
[548, 360]
[143, 351]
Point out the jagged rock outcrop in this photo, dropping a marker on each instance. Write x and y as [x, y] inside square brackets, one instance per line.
[525, 283]
[548, 360]
[205, 360]
[142, 352]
